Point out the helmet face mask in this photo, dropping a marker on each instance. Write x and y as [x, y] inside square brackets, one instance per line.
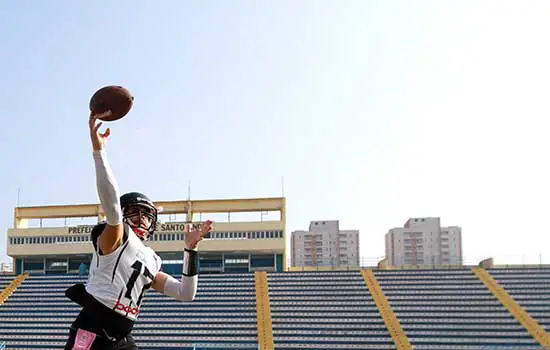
[139, 213]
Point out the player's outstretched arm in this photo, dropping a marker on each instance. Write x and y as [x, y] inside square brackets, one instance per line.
[186, 289]
[107, 189]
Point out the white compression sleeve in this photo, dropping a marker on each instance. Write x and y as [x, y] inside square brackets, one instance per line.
[107, 189]
[187, 288]
[184, 290]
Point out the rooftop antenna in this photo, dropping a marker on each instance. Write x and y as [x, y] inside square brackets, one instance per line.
[282, 186]
[18, 195]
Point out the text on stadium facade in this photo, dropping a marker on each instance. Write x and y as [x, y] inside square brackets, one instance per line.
[166, 227]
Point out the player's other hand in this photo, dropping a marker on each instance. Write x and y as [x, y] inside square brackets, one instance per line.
[197, 233]
[98, 139]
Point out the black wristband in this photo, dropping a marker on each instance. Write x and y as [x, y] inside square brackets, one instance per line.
[190, 262]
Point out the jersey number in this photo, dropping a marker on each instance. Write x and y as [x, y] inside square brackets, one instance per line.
[137, 265]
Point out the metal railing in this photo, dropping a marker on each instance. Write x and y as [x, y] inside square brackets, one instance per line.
[428, 262]
[6, 268]
[207, 346]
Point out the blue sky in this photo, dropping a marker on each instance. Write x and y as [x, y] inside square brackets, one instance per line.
[373, 111]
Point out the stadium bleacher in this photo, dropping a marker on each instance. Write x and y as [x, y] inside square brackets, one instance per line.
[438, 309]
[5, 280]
[325, 310]
[223, 314]
[530, 287]
[451, 309]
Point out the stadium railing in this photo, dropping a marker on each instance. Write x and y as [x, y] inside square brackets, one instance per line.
[208, 346]
[505, 261]
[6, 269]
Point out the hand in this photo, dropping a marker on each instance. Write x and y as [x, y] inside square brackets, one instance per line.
[98, 139]
[196, 234]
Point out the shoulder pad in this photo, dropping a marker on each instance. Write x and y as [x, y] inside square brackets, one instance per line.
[96, 231]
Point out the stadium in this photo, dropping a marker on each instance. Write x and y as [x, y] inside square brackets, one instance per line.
[250, 298]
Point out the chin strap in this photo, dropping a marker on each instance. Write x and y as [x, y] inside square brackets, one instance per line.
[142, 233]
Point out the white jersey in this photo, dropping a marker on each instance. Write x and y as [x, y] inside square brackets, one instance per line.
[120, 279]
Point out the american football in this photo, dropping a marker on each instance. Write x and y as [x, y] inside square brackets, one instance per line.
[117, 99]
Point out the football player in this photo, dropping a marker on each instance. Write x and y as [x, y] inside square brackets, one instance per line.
[123, 268]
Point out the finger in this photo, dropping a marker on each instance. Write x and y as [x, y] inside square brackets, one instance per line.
[92, 121]
[106, 133]
[101, 115]
[96, 129]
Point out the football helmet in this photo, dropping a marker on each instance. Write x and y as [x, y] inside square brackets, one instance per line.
[140, 213]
